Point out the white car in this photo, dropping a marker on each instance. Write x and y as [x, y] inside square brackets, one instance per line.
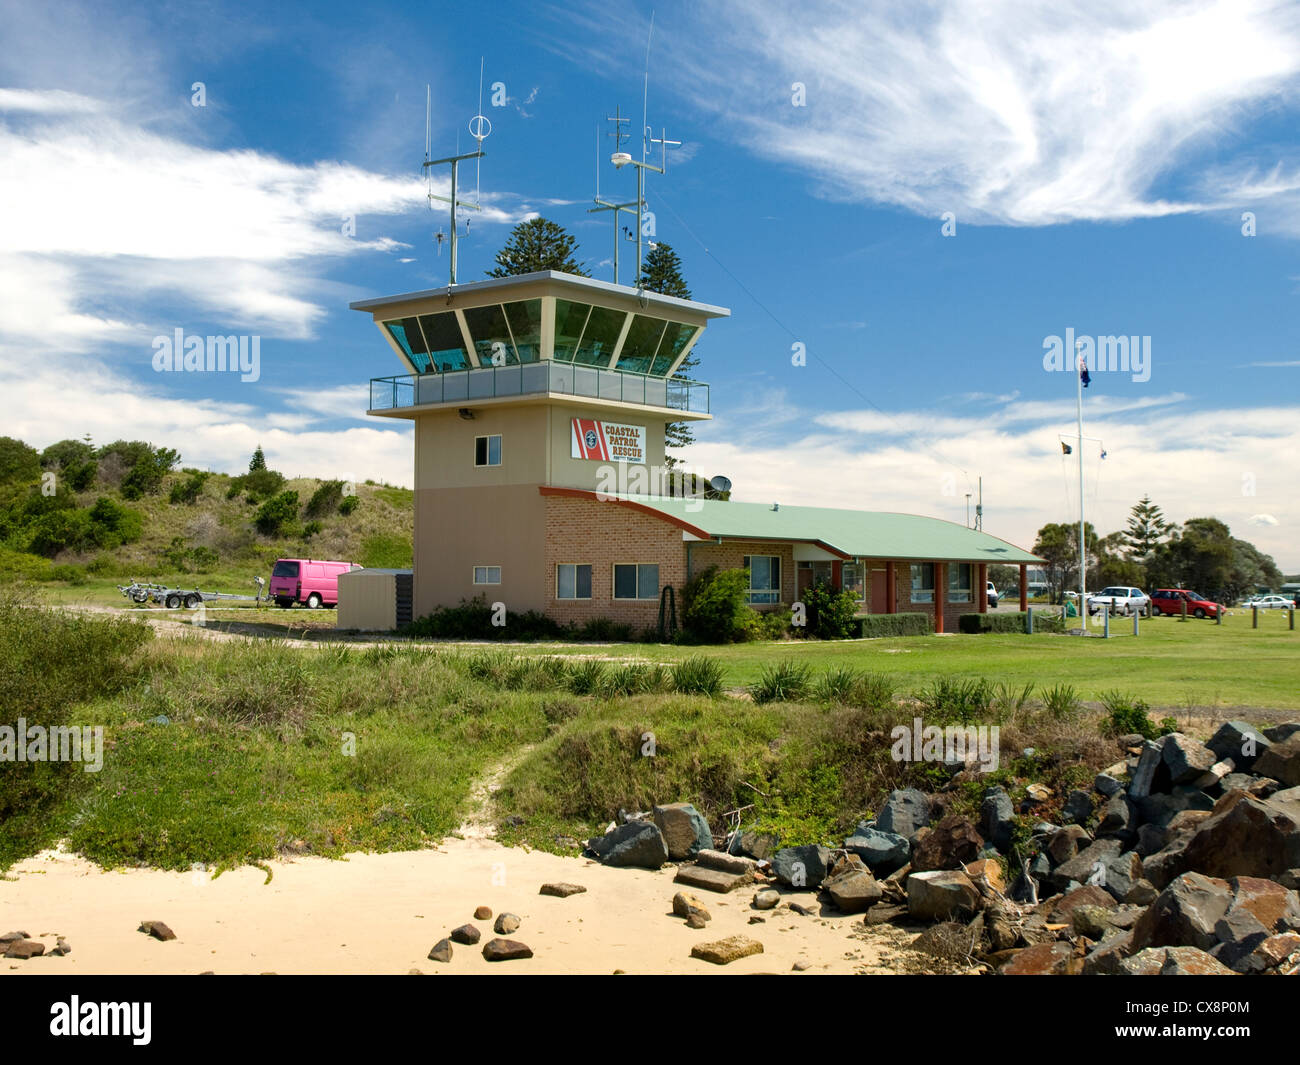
[1270, 602]
[991, 594]
[1120, 599]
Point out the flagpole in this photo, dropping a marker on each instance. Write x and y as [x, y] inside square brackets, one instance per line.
[1083, 558]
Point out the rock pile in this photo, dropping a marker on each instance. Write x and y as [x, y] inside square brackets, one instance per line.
[1184, 858]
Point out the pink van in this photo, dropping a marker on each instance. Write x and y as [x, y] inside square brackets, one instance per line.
[308, 581]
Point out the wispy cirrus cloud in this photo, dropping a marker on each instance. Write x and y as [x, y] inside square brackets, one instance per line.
[1018, 113]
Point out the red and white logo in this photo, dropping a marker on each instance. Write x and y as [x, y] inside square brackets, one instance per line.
[589, 440]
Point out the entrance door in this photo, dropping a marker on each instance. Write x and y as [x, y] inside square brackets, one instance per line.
[805, 580]
[879, 591]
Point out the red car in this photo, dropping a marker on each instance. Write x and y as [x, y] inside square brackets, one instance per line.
[1170, 601]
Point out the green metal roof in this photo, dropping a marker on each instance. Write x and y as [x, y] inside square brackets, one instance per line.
[859, 533]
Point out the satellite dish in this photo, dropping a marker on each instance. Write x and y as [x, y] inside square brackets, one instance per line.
[620, 159]
[720, 483]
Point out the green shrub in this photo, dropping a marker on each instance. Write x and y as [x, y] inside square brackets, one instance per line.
[715, 607]
[278, 514]
[324, 500]
[782, 682]
[189, 490]
[349, 504]
[830, 613]
[698, 675]
[312, 528]
[1126, 715]
[874, 626]
[603, 630]
[978, 623]
[472, 619]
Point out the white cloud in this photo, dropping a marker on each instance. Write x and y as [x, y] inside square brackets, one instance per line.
[1224, 463]
[1019, 113]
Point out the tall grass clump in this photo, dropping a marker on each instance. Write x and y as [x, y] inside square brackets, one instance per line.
[959, 701]
[783, 682]
[698, 675]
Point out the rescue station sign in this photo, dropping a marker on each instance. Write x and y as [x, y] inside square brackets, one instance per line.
[608, 441]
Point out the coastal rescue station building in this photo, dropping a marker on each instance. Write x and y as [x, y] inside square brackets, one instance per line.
[540, 404]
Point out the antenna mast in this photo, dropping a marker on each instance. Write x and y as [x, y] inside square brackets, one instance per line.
[607, 205]
[479, 128]
[621, 159]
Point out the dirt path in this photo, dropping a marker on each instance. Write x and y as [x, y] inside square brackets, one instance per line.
[478, 822]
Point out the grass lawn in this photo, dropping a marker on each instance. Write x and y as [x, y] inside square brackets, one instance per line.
[1188, 666]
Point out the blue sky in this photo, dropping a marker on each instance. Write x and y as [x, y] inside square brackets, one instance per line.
[1097, 160]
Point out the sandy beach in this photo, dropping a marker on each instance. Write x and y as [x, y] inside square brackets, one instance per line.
[381, 913]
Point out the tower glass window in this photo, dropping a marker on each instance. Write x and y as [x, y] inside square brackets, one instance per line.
[433, 342]
[491, 335]
[643, 338]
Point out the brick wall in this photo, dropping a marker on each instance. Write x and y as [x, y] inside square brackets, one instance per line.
[599, 534]
[731, 553]
[951, 611]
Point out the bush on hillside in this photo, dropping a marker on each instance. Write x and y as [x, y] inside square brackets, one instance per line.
[278, 515]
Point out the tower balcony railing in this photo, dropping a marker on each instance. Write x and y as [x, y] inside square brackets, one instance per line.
[537, 378]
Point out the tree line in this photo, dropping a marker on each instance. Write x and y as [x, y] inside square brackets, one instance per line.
[1152, 552]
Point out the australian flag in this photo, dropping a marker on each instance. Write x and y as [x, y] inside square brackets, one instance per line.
[1083, 371]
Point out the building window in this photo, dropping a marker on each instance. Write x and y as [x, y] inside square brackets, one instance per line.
[923, 582]
[633, 581]
[487, 574]
[960, 582]
[764, 578]
[572, 581]
[487, 450]
[852, 580]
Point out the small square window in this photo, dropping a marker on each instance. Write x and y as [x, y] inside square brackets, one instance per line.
[487, 450]
[572, 581]
[487, 574]
[633, 581]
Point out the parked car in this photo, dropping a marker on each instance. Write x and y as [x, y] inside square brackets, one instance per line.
[1120, 599]
[1170, 601]
[309, 581]
[992, 594]
[1271, 602]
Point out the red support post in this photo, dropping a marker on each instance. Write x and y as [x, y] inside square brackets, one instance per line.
[1024, 587]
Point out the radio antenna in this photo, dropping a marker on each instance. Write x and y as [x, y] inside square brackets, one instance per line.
[479, 128]
[619, 134]
[621, 159]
